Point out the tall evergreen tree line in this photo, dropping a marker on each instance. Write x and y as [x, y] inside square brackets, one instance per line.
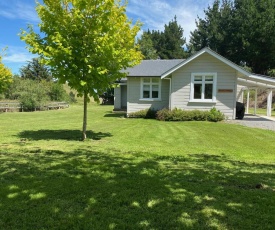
[167, 44]
[241, 30]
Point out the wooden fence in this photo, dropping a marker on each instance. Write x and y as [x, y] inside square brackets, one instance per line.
[14, 106]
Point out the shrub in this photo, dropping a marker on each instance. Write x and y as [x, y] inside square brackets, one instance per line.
[215, 115]
[57, 92]
[199, 115]
[189, 115]
[34, 98]
[164, 115]
[146, 113]
[35, 94]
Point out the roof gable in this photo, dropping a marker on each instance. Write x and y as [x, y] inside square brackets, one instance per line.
[152, 68]
[212, 53]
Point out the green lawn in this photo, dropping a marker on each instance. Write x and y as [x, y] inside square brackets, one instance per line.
[261, 112]
[133, 173]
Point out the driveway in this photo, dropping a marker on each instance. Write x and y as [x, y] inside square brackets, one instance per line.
[255, 122]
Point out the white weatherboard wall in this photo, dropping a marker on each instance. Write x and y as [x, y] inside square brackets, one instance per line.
[123, 96]
[117, 98]
[240, 93]
[133, 94]
[226, 79]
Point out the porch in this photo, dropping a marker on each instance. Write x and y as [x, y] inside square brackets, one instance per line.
[251, 86]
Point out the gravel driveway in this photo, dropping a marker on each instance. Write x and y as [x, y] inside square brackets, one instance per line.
[255, 122]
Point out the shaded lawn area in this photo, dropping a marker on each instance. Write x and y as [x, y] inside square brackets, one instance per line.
[133, 173]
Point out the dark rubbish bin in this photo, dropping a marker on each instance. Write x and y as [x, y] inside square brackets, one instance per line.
[240, 109]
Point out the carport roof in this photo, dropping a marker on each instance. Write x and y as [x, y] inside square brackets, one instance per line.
[257, 81]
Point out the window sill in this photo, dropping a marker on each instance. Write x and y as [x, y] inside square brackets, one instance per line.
[149, 99]
[203, 101]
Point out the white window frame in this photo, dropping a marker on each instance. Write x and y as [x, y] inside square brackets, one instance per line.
[214, 82]
[150, 84]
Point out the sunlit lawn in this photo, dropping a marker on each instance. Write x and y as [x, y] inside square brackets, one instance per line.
[133, 173]
[261, 112]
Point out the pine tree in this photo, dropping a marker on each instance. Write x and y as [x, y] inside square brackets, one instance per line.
[241, 30]
[146, 46]
[35, 70]
[169, 44]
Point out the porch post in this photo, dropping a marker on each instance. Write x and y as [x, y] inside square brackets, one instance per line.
[256, 101]
[247, 101]
[269, 103]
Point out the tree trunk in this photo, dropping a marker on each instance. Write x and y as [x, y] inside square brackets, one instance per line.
[85, 116]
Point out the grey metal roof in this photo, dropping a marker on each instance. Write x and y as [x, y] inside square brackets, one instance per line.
[152, 68]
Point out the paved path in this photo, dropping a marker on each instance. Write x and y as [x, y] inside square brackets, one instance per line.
[255, 122]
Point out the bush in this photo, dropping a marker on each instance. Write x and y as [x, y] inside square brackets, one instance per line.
[164, 115]
[146, 114]
[181, 115]
[57, 92]
[35, 94]
[189, 115]
[215, 115]
[35, 97]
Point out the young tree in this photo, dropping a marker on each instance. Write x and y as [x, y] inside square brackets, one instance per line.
[35, 70]
[86, 43]
[5, 76]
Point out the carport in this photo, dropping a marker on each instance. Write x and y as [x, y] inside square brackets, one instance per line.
[254, 82]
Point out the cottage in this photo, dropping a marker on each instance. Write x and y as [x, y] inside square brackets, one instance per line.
[204, 80]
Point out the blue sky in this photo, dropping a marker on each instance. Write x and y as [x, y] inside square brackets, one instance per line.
[17, 14]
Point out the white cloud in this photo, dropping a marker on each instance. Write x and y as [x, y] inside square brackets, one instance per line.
[156, 13]
[18, 58]
[15, 57]
[16, 54]
[14, 9]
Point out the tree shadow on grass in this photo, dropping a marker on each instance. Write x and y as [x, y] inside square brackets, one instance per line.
[85, 189]
[46, 134]
[115, 114]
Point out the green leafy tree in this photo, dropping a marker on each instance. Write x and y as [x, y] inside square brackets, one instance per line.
[146, 47]
[86, 43]
[5, 76]
[36, 70]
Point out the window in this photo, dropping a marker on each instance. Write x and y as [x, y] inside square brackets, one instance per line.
[150, 88]
[203, 87]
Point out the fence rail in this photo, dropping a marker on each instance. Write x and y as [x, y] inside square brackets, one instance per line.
[12, 106]
[58, 105]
